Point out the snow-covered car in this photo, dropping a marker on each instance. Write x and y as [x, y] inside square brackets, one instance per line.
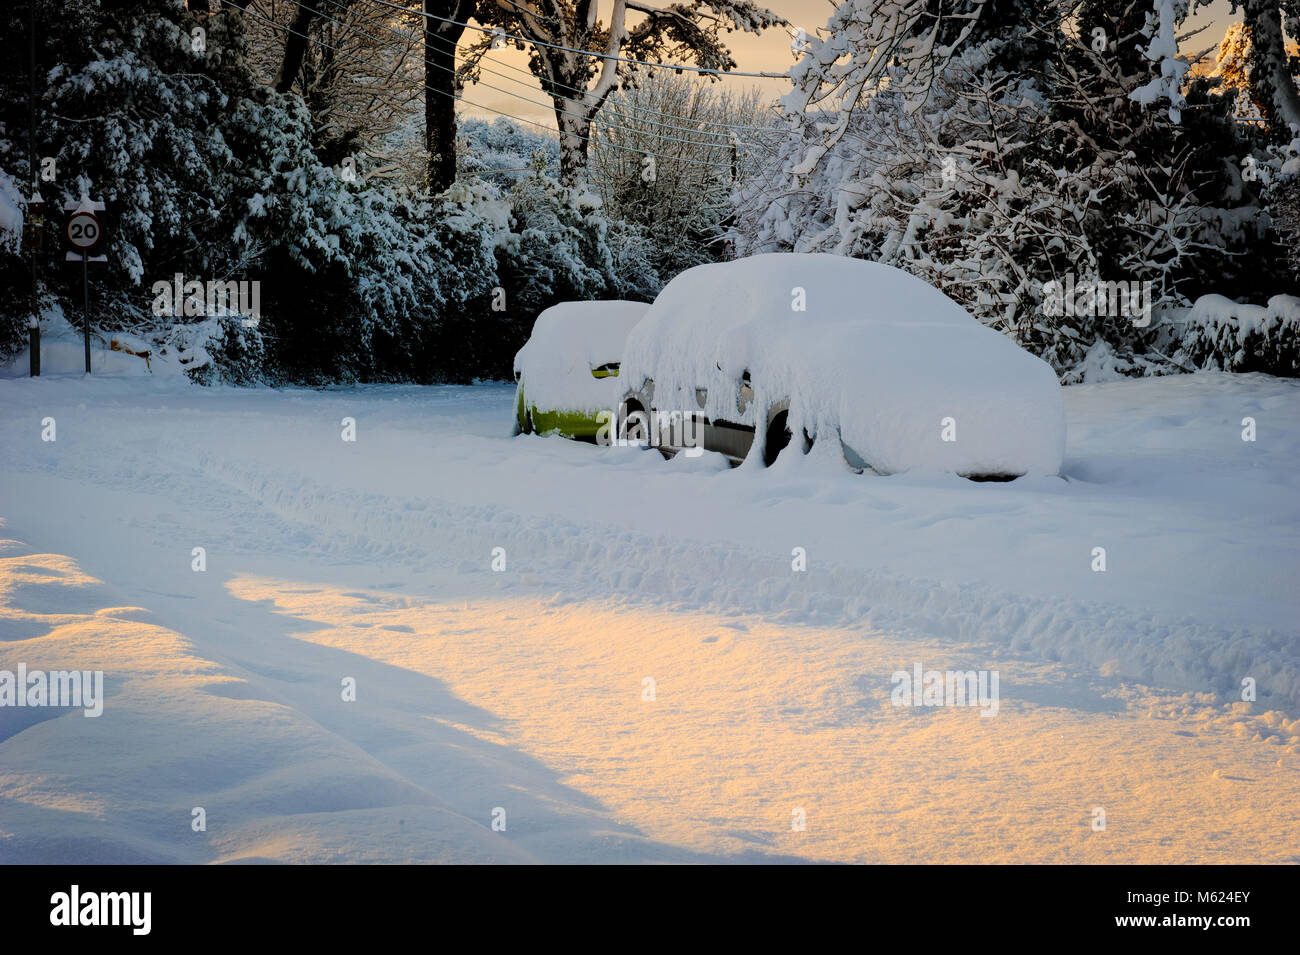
[566, 374]
[774, 350]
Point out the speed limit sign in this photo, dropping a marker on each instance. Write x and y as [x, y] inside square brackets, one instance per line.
[84, 231]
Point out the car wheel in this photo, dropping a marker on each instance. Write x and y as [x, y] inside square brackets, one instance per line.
[633, 421]
[778, 438]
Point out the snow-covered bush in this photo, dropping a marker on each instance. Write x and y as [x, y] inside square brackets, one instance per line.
[502, 144]
[1278, 168]
[544, 243]
[556, 247]
[142, 113]
[217, 349]
[1000, 164]
[1218, 333]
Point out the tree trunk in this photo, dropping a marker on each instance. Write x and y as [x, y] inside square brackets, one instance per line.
[574, 113]
[440, 41]
[565, 71]
[295, 45]
[1273, 85]
[575, 131]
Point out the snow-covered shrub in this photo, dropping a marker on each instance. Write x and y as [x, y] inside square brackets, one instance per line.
[1278, 167]
[210, 174]
[547, 244]
[637, 274]
[557, 246]
[135, 112]
[502, 144]
[217, 349]
[1218, 333]
[958, 192]
[358, 276]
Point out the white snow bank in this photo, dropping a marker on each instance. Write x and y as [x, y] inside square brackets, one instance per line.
[859, 349]
[568, 341]
[63, 352]
[115, 354]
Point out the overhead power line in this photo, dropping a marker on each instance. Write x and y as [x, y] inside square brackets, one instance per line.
[493, 172]
[568, 49]
[518, 119]
[388, 46]
[564, 86]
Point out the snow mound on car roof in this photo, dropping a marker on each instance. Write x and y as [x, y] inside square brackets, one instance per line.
[876, 354]
[568, 341]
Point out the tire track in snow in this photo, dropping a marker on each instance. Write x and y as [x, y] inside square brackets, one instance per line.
[588, 561]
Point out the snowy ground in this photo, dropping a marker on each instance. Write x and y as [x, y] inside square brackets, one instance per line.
[523, 689]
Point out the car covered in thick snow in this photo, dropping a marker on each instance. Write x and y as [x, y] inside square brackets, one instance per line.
[566, 375]
[783, 352]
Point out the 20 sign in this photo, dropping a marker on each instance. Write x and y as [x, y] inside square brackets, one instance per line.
[84, 231]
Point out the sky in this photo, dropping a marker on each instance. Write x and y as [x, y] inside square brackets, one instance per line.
[769, 52]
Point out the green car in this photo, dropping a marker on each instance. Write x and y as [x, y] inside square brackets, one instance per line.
[567, 373]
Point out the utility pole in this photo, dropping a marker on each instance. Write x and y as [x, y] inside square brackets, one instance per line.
[31, 161]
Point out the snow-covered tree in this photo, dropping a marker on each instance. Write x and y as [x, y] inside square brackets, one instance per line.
[1274, 68]
[1003, 163]
[323, 43]
[1231, 70]
[666, 155]
[358, 68]
[575, 55]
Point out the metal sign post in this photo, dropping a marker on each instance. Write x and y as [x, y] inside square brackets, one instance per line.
[85, 233]
[33, 239]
